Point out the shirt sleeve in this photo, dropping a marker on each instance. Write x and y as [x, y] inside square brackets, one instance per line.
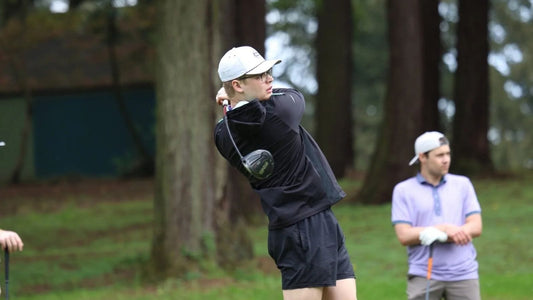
[471, 205]
[400, 207]
[290, 106]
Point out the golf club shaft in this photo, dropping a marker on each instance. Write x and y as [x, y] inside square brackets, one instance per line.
[229, 132]
[430, 266]
[6, 265]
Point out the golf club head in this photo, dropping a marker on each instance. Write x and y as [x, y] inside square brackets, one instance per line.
[259, 163]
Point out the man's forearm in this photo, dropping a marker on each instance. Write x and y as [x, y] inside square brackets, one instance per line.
[473, 225]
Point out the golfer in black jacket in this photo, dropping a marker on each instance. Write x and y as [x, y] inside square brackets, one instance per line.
[304, 237]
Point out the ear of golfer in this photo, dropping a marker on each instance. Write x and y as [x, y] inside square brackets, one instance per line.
[10, 240]
[461, 235]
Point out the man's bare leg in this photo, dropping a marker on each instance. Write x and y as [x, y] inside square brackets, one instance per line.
[345, 289]
[303, 294]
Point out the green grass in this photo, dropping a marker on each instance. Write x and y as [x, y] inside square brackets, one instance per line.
[93, 249]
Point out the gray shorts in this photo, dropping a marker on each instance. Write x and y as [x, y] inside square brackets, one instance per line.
[310, 253]
[449, 290]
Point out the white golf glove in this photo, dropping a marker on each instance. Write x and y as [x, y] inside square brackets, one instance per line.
[432, 234]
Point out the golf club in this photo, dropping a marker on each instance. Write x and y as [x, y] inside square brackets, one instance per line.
[430, 266]
[259, 163]
[6, 264]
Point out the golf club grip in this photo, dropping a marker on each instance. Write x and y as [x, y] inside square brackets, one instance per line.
[231, 138]
[430, 262]
[430, 265]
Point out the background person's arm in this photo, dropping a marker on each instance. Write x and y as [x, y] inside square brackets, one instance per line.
[464, 234]
[407, 234]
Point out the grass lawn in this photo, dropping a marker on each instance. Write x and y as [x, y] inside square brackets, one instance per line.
[87, 240]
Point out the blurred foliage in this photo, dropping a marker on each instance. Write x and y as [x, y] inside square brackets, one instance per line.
[292, 26]
[370, 76]
[511, 89]
[511, 84]
[294, 23]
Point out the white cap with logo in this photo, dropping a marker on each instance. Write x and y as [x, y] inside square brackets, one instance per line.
[428, 141]
[241, 61]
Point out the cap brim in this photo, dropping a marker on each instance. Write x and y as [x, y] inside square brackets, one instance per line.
[263, 67]
[414, 160]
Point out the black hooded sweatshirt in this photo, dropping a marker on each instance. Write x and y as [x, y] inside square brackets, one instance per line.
[302, 183]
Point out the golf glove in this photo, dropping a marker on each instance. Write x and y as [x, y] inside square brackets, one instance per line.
[432, 234]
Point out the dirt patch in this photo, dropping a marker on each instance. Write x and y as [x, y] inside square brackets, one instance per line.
[50, 196]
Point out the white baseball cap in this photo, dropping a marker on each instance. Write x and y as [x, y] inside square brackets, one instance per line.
[428, 141]
[241, 61]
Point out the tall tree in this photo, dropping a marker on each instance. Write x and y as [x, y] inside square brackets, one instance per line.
[471, 120]
[238, 206]
[201, 203]
[245, 24]
[334, 130]
[432, 57]
[403, 103]
[185, 158]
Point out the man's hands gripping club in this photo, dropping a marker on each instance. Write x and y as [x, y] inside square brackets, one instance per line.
[10, 240]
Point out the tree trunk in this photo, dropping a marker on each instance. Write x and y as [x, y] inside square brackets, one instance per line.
[334, 130]
[403, 104]
[243, 23]
[471, 121]
[249, 24]
[185, 157]
[432, 57]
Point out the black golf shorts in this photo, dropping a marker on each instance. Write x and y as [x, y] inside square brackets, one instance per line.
[310, 253]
